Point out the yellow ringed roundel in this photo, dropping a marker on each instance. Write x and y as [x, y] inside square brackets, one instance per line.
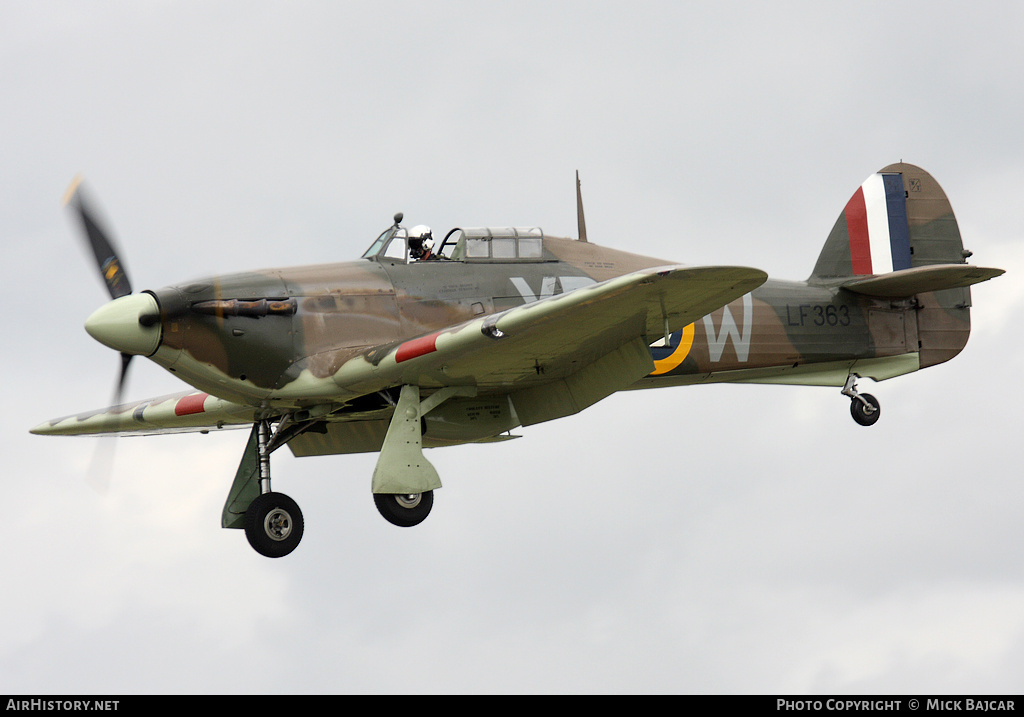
[678, 355]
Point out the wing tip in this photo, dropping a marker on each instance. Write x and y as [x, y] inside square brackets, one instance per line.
[49, 428]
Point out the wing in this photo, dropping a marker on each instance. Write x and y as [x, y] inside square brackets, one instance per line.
[547, 359]
[556, 337]
[177, 413]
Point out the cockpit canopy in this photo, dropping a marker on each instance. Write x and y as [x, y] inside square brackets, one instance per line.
[472, 244]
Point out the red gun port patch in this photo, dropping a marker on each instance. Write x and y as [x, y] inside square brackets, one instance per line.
[416, 347]
[191, 404]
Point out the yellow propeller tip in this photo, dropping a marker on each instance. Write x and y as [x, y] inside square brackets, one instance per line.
[72, 189]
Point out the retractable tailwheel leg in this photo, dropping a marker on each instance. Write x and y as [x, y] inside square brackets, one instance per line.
[863, 406]
[273, 521]
[403, 480]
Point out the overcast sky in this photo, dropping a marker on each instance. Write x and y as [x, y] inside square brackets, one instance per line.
[734, 539]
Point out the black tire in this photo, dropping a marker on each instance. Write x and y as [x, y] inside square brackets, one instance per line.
[273, 525]
[404, 511]
[862, 414]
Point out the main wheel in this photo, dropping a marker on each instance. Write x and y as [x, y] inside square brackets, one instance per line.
[865, 415]
[404, 510]
[273, 525]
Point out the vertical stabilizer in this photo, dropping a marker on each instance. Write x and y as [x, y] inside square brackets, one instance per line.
[898, 219]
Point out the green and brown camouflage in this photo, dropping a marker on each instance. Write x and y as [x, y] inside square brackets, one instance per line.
[502, 328]
[288, 341]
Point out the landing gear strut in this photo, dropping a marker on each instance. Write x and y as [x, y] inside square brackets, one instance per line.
[403, 479]
[863, 406]
[403, 483]
[273, 521]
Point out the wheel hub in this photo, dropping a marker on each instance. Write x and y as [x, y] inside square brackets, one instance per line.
[409, 501]
[278, 524]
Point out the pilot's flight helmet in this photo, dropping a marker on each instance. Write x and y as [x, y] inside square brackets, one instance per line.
[420, 231]
[420, 240]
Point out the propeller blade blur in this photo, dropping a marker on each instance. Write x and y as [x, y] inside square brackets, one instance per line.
[110, 266]
[126, 360]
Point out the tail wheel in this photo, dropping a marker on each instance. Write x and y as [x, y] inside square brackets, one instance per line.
[273, 525]
[865, 409]
[404, 510]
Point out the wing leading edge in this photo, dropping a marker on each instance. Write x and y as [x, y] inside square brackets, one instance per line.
[186, 412]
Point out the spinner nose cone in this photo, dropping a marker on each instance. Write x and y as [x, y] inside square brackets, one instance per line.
[130, 324]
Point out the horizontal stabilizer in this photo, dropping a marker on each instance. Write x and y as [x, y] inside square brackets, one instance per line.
[921, 279]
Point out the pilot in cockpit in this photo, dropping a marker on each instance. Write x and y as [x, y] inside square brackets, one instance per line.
[421, 243]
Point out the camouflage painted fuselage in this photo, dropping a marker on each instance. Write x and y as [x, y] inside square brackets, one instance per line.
[783, 329]
[282, 341]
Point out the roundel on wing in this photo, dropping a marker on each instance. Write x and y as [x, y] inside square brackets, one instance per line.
[679, 348]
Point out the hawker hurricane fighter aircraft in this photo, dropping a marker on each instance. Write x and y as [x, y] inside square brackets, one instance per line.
[419, 344]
